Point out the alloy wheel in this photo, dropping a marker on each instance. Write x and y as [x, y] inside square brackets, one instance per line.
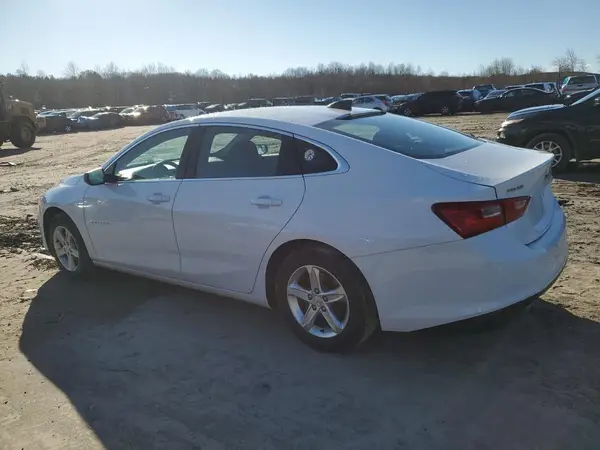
[318, 301]
[65, 248]
[551, 147]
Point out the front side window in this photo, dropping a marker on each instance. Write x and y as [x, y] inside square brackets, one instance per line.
[155, 158]
[239, 152]
[399, 134]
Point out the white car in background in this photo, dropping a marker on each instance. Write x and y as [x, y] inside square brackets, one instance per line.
[343, 220]
[183, 111]
[371, 102]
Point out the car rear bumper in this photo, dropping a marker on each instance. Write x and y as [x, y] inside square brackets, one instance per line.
[439, 284]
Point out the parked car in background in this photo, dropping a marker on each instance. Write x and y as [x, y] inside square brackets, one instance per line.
[283, 101]
[495, 93]
[100, 121]
[484, 89]
[566, 131]
[513, 86]
[440, 102]
[203, 105]
[304, 100]
[459, 226]
[572, 98]
[214, 108]
[184, 110]
[469, 97]
[515, 99]
[386, 99]
[578, 83]
[349, 95]
[258, 103]
[83, 113]
[147, 115]
[57, 122]
[543, 86]
[370, 102]
[326, 100]
[401, 98]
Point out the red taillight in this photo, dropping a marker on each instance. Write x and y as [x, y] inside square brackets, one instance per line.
[469, 219]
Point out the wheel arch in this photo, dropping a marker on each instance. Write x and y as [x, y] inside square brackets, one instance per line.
[23, 118]
[50, 214]
[560, 132]
[284, 250]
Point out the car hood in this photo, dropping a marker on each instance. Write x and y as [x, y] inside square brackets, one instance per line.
[71, 181]
[532, 111]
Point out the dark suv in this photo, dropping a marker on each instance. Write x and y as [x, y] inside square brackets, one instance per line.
[566, 131]
[441, 102]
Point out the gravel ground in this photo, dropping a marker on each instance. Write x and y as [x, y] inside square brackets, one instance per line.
[125, 363]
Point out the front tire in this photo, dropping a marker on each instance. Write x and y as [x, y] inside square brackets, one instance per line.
[555, 144]
[325, 300]
[66, 245]
[22, 134]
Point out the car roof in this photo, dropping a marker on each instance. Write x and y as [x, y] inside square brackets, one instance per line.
[309, 115]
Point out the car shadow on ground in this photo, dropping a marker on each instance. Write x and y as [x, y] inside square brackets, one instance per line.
[14, 151]
[149, 365]
[588, 172]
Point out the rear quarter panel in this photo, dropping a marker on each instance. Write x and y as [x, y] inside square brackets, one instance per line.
[382, 203]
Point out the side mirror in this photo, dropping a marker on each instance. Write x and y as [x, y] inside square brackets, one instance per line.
[97, 177]
[263, 149]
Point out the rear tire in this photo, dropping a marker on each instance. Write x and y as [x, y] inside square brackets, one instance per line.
[22, 134]
[68, 248]
[354, 313]
[554, 143]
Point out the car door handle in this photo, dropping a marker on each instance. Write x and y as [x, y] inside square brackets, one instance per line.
[157, 197]
[266, 201]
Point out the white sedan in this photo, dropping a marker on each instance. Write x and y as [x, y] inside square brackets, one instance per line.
[344, 220]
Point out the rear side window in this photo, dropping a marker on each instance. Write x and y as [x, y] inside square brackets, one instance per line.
[314, 159]
[587, 79]
[402, 135]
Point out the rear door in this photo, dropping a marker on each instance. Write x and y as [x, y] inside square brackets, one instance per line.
[246, 186]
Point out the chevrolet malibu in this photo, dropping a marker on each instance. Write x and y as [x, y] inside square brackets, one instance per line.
[343, 220]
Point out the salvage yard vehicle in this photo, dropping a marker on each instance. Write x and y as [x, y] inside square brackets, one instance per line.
[565, 131]
[515, 99]
[146, 115]
[18, 122]
[433, 102]
[370, 102]
[427, 225]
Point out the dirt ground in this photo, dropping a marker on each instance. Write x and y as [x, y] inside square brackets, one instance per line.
[125, 363]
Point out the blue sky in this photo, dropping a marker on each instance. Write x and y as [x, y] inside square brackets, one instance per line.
[268, 36]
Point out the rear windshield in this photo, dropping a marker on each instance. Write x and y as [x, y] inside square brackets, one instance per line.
[582, 80]
[403, 135]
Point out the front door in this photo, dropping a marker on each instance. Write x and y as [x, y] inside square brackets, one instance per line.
[247, 186]
[591, 117]
[129, 221]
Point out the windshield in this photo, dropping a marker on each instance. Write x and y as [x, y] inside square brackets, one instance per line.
[403, 135]
[591, 95]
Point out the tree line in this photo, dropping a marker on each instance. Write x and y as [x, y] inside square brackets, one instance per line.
[160, 84]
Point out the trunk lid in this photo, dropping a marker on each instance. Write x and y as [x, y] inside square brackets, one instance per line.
[512, 172]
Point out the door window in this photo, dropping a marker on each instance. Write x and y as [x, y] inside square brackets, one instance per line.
[156, 158]
[237, 152]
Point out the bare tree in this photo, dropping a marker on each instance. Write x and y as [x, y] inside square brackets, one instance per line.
[23, 70]
[569, 62]
[71, 71]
